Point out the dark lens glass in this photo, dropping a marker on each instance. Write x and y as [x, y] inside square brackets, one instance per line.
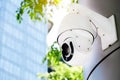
[72, 49]
[65, 49]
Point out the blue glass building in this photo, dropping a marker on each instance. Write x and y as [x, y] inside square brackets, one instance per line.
[22, 46]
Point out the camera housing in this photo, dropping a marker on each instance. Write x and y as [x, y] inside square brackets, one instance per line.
[76, 40]
[78, 31]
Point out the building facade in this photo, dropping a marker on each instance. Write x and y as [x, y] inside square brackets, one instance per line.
[22, 46]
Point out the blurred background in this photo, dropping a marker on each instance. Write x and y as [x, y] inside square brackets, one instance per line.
[22, 46]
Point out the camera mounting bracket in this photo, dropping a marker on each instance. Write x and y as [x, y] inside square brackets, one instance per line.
[105, 26]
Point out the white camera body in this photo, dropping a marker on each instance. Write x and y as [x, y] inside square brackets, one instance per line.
[78, 31]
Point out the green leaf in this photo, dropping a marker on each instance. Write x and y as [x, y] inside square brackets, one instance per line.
[61, 71]
[37, 9]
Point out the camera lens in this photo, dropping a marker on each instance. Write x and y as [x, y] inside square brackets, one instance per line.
[67, 55]
[65, 49]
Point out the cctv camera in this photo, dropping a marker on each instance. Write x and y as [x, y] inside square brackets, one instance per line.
[76, 37]
[78, 31]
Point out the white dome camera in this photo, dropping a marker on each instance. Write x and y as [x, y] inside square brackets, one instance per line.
[77, 32]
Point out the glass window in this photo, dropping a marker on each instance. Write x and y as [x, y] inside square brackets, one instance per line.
[9, 67]
[12, 43]
[7, 76]
[22, 46]
[11, 55]
[11, 30]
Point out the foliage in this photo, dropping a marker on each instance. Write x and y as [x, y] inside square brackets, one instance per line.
[37, 9]
[61, 71]
[54, 55]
